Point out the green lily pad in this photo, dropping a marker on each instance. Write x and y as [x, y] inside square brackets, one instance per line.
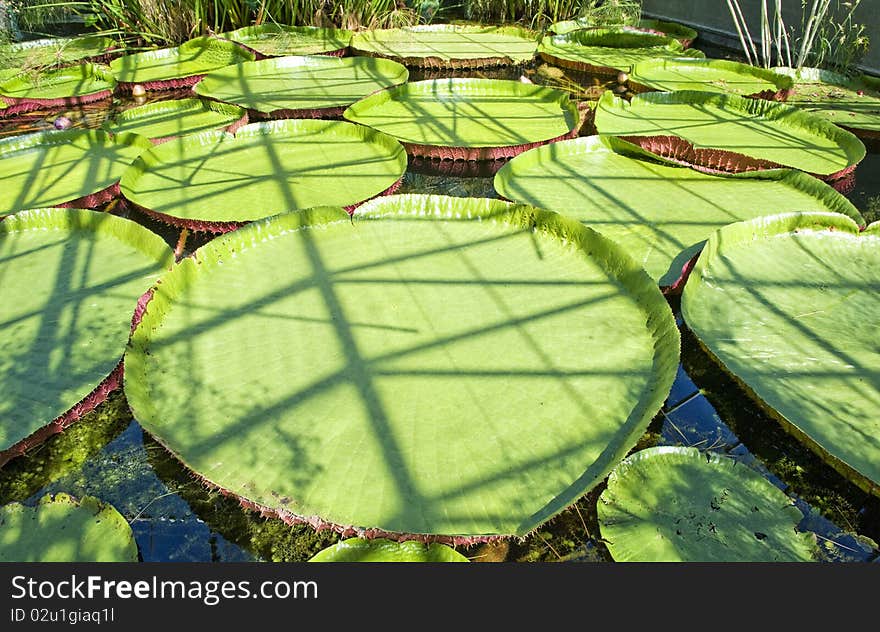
[684, 34]
[489, 114]
[608, 51]
[674, 504]
[661, 214]
[853, 104]
[276, 40]
[726, 132]
[176, 117]
[382, 550]
[711, 75]
[68, 84]
[61, 528]
[55, 167]
[448, 45]
[40, 53]
[214, 178]
[191, 59]
[789, 305]
[70, 281]
[301, 84]
[432, 365]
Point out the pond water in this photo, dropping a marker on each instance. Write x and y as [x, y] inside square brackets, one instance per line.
[175, 518]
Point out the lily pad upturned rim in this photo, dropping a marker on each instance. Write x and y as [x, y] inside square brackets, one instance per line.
[127, 80]
[101, 511]
[668, 457]
[762, 228]
[397, 73]
[552, 48]
[483, 87]
[360, 46]
[248, 36]
[573, 148]
[238, 116]
[289, 126]
[640, 75]
[61, 218]
[384, 550]
[660, 325]
[711, 160]
[98, 196]
[103, 85]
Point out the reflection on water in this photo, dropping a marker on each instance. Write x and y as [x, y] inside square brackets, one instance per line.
[174, 517]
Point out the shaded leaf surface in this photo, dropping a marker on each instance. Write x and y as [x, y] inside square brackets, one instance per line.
[439, 366]
[70, 281]
[674, 504]
[62, 529]
[660, 213]
[789, 306]
[382, 550]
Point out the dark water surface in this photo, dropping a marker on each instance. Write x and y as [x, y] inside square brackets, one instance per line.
[175, 518]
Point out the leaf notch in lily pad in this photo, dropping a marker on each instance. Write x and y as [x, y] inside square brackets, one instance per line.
[215, 181]
[727, 133]
[71, 281]
[449, 45]
[787, 304]
[437, 367]
[661, 213]
[469, 119]
[678, 504]
[61, 528]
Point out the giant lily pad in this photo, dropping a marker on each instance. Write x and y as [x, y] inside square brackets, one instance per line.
[788, 304]
[448, 45]
[607, 51]
[660, 213]
[383, 550]
[40, 53]
[851, 103]
[164, 120]
[276, 40]
[70, 281]
[711, 75]
[177, 67]
[301, 86]
[61, 528]
[458, 367]
[730, 133]
[684, 34]
[71, 167]
[67, 86]
[674, 504]
[470, 119]
[215, 181]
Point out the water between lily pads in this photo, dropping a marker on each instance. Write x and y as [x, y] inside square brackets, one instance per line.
[175, 518]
